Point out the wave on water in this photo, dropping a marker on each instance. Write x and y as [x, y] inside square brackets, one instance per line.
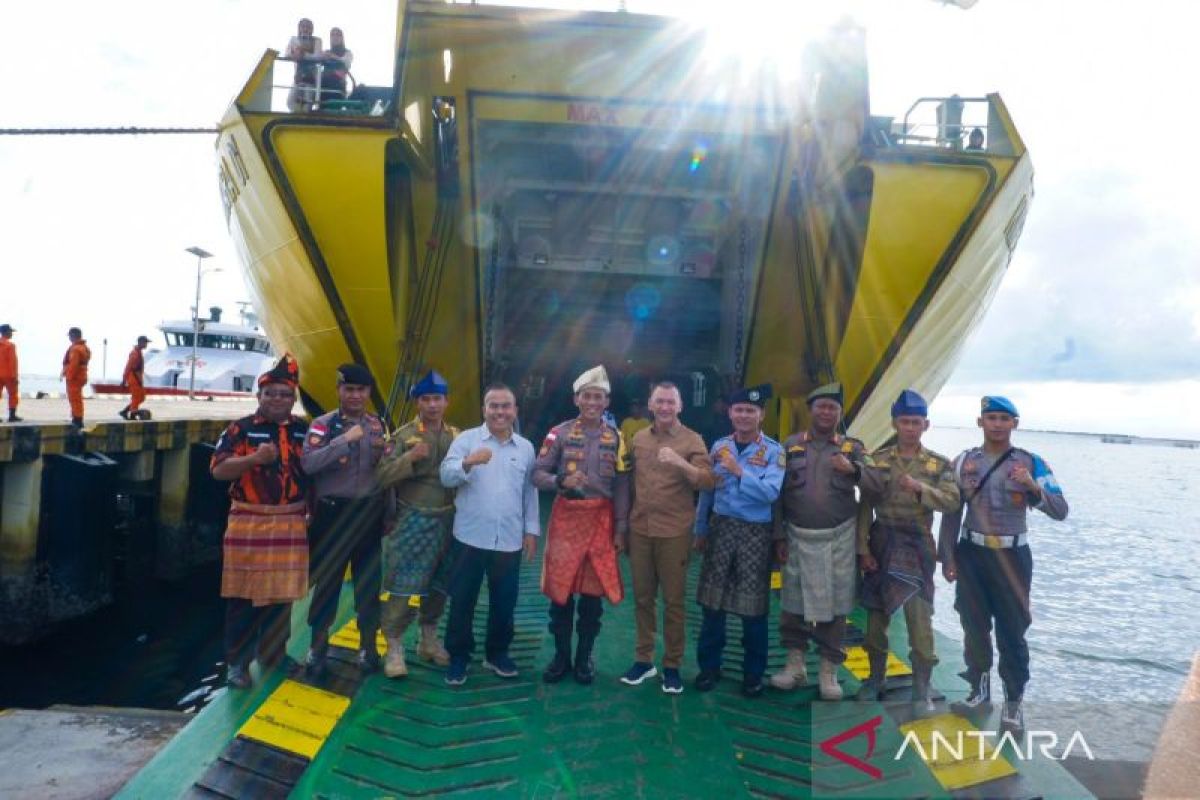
[1176, 668]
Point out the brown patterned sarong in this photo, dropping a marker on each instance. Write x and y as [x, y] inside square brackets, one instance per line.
[580, 556]
[736, 573]
[906, 556]
[265, 553]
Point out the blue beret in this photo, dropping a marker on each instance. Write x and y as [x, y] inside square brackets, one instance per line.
[910, 404]
[994, 402]
[755, 395]
[432, 383]
[355, 375]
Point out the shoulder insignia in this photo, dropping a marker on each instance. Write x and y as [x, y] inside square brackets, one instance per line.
[932, 465]
[796, 448]
[781, 459]
[882, 463]
[314, 439]
[318, 429]
[848, 446]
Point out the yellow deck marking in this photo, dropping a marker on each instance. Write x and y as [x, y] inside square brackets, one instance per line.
[347, 636]
[860, 666]
[296, 718]
[955, 773]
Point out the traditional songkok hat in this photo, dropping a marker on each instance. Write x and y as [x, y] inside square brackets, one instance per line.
[994, 402]
[910, 404]
[755, 395]
[833, 391]
[285, 371]
[432, 383]
[355, 375]
[595, 377]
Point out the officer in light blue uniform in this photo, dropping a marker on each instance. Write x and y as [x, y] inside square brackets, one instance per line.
[987, 552]
[735, 576]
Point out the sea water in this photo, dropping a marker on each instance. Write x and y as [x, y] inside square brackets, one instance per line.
[1116, 586]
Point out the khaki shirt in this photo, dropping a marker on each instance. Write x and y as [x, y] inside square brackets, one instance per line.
[417, 482]
[598, 453]
[885, 500]
[664, 498]
[815, 495]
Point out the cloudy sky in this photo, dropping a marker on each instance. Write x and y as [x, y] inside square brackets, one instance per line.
[1097, 325]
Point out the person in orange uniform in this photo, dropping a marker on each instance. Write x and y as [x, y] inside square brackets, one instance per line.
[8, 370]
[265, 548]
[74, 372]
[133, 379]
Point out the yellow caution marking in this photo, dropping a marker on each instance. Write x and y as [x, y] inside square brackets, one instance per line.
[859, 664]
[296, 718]
[348, 636]
[957, 757]
[776, 579]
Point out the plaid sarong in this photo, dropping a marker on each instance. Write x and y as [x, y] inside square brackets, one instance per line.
[265, 553]
[414, 552]
[905, 553]
[736, 573]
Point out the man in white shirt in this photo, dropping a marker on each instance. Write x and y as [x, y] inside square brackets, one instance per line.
[495, 519]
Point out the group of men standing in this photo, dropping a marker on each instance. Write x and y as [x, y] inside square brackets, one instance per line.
[429, 512]
[74, 374]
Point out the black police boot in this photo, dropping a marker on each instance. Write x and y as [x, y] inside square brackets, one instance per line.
[314, 662]
[369, 659]
[979, 701]
[1012, 718]
[77, 423]
[560, 665]
[874, 687]
[707, 680]
[585, 669]
[124, 413]
[12, 416]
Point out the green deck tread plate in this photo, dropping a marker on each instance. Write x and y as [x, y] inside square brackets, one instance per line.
[522, 738]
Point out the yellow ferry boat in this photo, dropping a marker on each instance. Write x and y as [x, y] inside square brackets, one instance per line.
[540, 191]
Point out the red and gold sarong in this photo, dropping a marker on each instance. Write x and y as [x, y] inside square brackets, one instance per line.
[580, 556]
[266, 553]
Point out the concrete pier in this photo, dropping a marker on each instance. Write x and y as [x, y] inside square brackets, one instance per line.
[65, 493]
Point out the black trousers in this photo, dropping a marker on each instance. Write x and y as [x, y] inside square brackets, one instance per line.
[590, 610]
[993, 587]
[251, 629]
[468, 567]
[346, 532]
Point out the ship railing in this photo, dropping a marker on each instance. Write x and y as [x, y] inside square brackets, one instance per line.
[946, 123]
[317, 98]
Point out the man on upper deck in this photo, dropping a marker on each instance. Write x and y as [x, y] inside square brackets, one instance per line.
[988, 554]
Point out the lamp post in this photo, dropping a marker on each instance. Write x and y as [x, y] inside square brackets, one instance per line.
[200, 253]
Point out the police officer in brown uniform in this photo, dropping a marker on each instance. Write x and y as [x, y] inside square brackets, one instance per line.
[583, 460]
[341, 452]
[903, 484]
[817, 542]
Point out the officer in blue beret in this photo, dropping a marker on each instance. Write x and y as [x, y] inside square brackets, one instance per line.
[987, 553]
[417, 545]
[903, 484]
